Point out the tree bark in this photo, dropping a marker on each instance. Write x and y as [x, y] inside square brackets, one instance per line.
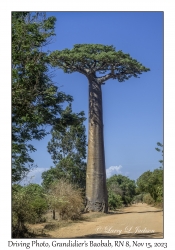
[53, 214]
[96, 191]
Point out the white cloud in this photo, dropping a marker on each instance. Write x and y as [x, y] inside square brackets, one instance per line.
[34, 176]
[113, 170]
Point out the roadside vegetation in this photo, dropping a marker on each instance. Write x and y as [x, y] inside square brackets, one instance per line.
[36, 103]
[121, 191]
[150, 187]
[150, 184]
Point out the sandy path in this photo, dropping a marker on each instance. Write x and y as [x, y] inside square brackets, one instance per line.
[137, 221]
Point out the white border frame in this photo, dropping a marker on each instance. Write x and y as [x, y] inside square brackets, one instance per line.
[5, 97]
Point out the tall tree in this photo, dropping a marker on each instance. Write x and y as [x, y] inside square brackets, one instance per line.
[92, 60]
[68, 152]
[36, 101]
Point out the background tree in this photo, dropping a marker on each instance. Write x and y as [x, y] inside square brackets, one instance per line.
[152, 183]
[29, 204]
[114, 201]
[138, 197]
[121, 191]
[92, 60]
[36, 101]
[68, 152]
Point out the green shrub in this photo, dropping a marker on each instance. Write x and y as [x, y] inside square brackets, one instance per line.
[148, 199]
[38, 202]
[114, 201]
[122, 186]
[28, 206]
[159, 194]
[152, 182]
[138, 198]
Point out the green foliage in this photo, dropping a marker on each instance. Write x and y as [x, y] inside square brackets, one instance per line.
[90, 59]
[68, 150]
[119, 185]
[36, 101]
[114, 201]
[65, 198]
[71, 141]
[160, 149]
[143, 181]
[38, 201]
[138, 198]
[29, 204]
[152, 183]
[148, 199]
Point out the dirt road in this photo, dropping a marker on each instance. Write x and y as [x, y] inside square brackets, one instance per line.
[137, 221]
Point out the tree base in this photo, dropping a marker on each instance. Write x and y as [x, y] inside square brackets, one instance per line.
[96, 207]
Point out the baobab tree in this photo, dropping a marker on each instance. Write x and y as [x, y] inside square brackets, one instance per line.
[92, 60]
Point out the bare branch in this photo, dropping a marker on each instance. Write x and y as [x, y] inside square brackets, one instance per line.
[102, 79]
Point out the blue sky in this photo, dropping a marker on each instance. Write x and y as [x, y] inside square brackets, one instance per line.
[132, 110]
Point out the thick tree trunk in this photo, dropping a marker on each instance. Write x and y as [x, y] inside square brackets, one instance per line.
[96, 191]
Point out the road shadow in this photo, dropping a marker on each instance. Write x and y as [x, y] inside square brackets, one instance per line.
[134, 212]
[122, 236]
[156, 235]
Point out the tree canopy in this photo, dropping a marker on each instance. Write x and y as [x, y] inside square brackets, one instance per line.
[90, 59]
[152, 183]
[68, 152]
[36, 100]
[121, 186]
